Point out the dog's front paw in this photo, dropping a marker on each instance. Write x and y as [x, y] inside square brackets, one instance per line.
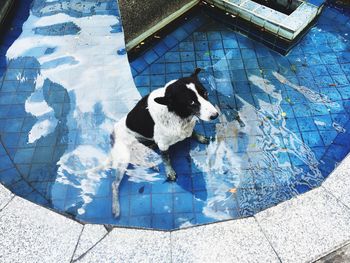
[200, 138]
[203, 139]
[171, 174]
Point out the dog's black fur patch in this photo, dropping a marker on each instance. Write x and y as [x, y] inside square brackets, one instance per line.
[178, 98]
[139, 119]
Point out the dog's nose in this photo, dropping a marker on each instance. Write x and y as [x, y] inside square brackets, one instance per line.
[213, 117]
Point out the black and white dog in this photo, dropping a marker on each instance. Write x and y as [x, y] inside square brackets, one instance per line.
[167, 115]
[164, 117]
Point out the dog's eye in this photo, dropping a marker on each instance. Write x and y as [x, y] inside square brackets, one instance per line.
[205, 94]
[192, 102]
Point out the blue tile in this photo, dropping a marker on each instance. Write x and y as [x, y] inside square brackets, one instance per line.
[301, 110]
[188, 67]
[334, 69]
[140, 189]
[319, 70]
[173, 68]
[150, 56]
[239, 75]
[24, 156]
[9, 86]
[215, 45]
[201, 46]
[4, 109]
[9, 176]
[328, 136]
[180, 34]
[140, 205]
[302, 187]
[140, 221]
[43, 155]
[340, 80]
[11, 139]
[139, 65]
[157, 80]
[187, 56]
[312, 138]
[184, 219]
[163, 221]
[344, 92]
[162, 203]
[172, 57]
[99, 207]
[170, 41]
[143, 91]
[336, 152]
[13, 74]
[158, 68]
[5, 163]
[13, 125]
[58, 191]
[17, 111]
[186, 46]
[323, 122]
[183, 203]
[142, 80]
[193, 24]
[161, 48]
[292, 125]
[21, 188]
[306, 124]
[228, 59]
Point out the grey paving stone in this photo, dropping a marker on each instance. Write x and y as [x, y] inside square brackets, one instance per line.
[338, 183]
[30, 233]
[90, 236]
[306, 227]
[5, 196]
[341, 255]
[129, 245]
[232, 241]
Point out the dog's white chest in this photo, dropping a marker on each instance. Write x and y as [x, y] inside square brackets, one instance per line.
[168, 128]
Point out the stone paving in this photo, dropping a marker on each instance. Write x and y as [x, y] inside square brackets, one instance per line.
[304, 229]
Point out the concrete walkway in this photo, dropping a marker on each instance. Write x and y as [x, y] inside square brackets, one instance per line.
[303, 229]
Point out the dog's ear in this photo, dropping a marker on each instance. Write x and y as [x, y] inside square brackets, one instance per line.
[162, 100]
[196, 72]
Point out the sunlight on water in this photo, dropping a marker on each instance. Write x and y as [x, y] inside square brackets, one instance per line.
[259, 148]
[282, 122]
[70, 60]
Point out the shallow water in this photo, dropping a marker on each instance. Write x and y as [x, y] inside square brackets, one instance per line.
[66, 82]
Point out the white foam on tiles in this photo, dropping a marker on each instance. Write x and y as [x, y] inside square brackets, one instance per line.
[88, 67]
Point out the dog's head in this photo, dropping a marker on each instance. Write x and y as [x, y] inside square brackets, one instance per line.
[187, 97]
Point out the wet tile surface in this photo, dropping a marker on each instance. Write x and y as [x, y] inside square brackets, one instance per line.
[283, 125]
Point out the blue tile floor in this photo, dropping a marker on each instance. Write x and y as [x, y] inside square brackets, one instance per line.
[284, 123]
